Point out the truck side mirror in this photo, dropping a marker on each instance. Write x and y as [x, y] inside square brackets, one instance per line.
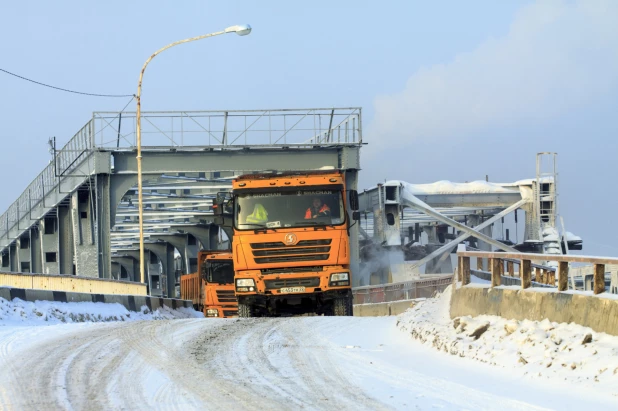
[356, 215]
[222, 204]
[354, 200]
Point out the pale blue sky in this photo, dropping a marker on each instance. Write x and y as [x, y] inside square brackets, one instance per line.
[450, 90]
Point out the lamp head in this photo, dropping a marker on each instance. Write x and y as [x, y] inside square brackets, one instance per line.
[241, 30]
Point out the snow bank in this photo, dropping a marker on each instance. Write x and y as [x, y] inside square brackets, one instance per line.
[542, 349]
[19, 312]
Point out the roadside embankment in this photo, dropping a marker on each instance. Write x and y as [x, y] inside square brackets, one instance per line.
[540, 349]
[599, 312]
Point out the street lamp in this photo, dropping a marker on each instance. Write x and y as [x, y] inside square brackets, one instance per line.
[241, 30]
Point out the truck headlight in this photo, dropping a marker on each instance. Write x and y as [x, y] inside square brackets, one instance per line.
[245, 282]
[339, 277]
[212, 312]
[245, 285]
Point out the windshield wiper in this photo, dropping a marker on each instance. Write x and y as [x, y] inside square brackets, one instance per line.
[305, 223]
[317, 225]
[262, 228]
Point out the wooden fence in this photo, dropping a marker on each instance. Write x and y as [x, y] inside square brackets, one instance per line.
[543, 274]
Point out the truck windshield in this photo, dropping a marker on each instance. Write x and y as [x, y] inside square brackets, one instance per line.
[288, 209]
[220, 272]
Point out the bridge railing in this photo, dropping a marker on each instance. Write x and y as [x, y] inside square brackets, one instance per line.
[243, 128]
[543, 274]
[407, 290]
[65, 160]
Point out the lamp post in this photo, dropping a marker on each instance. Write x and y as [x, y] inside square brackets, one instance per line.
[241, 30]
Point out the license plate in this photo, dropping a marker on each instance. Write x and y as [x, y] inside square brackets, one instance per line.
[292, 290]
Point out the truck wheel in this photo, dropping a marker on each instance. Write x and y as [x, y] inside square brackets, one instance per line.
[244, 310]
[342, 306]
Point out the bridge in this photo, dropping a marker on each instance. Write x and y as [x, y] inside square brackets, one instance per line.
[79, 215]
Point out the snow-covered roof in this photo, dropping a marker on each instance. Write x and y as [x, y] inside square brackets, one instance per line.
[449, 187]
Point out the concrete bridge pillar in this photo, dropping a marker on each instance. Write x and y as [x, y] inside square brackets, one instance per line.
[130, 260]
[24, 265]
[180, 241]
[49, 245]
[36, 262]
[13, 258]
[208, 237]
[65, 241]
[130, 264]
[165, 253]
[82, 216]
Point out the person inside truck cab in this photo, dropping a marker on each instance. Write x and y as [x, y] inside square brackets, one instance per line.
[317, 209]
[258, 216]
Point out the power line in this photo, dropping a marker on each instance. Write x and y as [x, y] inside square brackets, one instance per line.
[63, 89]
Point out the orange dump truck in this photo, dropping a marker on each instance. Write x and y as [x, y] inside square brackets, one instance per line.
[211, 288]
[291, 242]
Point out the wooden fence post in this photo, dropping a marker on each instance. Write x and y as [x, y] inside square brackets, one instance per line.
[479, 263]
[459, 273]
[510, 268]
[599, 278]
[496, 280]
[465, 268]
[525, 271]
[563, 276]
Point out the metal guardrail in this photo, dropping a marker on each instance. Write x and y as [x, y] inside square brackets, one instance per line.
[230, 128]
[406, 290]
[65, 160]
[165, 129]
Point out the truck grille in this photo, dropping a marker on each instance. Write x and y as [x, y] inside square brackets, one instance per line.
[309, 257]
[226, 296]
[278, 252]
[291, 270]
[288, 251]
[230, 313]
[292, 282]
[302, 243]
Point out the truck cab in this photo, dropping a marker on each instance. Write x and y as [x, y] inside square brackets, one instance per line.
[218, 273]
[211, 288]
[290, 244]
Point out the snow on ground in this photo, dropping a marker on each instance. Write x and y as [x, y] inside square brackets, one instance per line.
[25, 313]
[540, 349]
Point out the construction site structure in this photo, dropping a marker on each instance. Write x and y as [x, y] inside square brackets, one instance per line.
[409, 231]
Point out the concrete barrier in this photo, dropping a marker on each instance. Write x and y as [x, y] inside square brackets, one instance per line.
[71, 283]
[596, 312]
[383, 309]
[130, 302]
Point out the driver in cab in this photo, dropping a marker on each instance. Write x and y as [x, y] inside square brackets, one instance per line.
[317, 209]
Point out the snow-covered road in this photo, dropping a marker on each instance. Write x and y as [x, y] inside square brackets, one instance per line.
[290, 363]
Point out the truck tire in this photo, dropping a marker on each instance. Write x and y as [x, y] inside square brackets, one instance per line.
[244, 311]
[342, 306]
